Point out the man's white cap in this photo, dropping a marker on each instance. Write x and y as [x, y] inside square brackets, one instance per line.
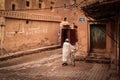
[67, 40]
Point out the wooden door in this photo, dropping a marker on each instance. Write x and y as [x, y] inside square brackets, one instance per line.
[98, 37]
[72, 36]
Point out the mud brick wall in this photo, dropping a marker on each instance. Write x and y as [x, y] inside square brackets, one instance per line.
[28, 34]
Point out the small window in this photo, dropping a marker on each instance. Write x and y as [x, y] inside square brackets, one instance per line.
[27, 3]
[13, 7]
[74, 0]
[40, 1]
[40, 5]
[51, 8]
[52, 2]
[27, 22]
[65, 6]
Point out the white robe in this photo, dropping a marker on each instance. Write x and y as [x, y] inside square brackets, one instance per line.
[67, 48]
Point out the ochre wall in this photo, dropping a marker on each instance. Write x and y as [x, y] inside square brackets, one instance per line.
[21, 4]
[2, 6]
[20, 35]
[82, 33]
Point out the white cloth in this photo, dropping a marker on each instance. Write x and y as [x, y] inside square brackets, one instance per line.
[67, 48]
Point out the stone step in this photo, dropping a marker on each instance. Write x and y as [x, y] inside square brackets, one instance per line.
[98, 60]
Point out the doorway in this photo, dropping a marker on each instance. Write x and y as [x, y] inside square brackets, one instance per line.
[70, 34]
[97, 38]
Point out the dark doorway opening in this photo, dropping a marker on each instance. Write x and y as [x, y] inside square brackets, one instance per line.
[65, 34]
[68, 33]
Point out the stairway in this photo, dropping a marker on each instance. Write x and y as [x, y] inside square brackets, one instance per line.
[98, 58]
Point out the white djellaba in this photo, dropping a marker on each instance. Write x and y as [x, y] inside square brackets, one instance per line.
[67, 49]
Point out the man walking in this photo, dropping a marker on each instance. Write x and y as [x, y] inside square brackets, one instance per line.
[67, 48]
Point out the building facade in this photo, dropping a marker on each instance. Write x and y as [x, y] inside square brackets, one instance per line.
[29, 24]
[22, 29]
[107, 12]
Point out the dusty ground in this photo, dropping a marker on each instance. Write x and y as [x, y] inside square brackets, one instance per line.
[47, 66]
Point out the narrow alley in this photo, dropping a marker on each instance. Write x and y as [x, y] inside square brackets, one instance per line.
[47, 65]
[34, 32]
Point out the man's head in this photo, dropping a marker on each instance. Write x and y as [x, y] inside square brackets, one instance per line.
[67, 40]
[65, 19]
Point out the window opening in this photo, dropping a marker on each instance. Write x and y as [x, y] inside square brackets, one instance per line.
[51, 8]
[52, 2]
[74, 1]
[65, 6]
[27, 22]
[13, 7]
[40, 3]
[27, 3]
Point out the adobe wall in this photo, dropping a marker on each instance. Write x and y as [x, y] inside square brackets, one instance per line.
[28, 34]
[21, 34]
[84, 35]
[2, 6]
[21, 4]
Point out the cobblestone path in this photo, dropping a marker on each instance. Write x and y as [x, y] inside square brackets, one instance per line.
[50, 68]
